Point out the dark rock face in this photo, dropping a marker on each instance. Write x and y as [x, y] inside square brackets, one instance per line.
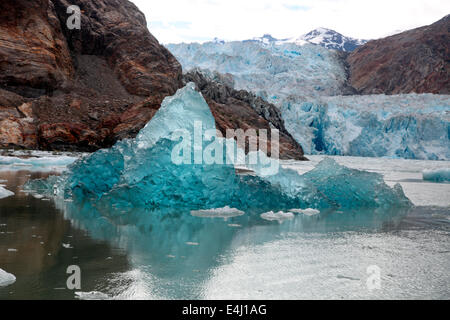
[78, 85]
[240, 109]
[34, 56]
[417, 60]
[117, 31]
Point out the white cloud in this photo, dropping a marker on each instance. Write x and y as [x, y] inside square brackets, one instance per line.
[201, 20]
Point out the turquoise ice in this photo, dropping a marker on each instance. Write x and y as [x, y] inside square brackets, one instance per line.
[141, 173]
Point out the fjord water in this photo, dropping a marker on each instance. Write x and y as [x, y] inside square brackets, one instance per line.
[189, 257]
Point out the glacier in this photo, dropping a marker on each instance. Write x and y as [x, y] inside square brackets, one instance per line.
[140, 173]
[272, 71]
[411, 126]
[308, 84]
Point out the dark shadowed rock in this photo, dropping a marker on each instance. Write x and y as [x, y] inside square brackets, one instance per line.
[417, 60]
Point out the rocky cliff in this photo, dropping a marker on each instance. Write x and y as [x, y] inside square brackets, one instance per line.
[417, 60]
[83, 89]
[72, 89]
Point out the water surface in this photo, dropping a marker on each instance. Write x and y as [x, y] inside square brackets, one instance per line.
[180, 256]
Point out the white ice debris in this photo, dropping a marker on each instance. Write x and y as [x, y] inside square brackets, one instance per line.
[4, 193]
[6, 278]
[277, 216]
[225, 212]
[11, 163]
[92, 295]
[306, 212]
[67, 246]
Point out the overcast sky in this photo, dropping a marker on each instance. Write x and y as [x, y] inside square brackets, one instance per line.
[173, 21]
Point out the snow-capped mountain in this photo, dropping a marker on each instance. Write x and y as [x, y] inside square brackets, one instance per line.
[332, 40]
[326, 38]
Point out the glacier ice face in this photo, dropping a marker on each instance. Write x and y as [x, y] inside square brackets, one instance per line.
[438, 175]
[306, 81]
[140, 173]
[272, 71]
[408, 126]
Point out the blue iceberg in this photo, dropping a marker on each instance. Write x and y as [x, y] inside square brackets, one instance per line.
[437, 175]
[142, 173]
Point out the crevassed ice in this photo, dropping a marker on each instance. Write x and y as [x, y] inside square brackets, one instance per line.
[272, 71]
[140, 173]
[412, 126]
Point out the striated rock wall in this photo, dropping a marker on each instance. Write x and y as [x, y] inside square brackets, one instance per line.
[78, 85]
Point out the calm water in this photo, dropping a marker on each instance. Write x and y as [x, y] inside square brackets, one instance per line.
[151, 256]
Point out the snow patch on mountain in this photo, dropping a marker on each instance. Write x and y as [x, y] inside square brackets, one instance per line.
[326, 38]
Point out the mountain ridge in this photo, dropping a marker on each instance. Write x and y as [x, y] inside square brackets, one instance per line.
[324, 37]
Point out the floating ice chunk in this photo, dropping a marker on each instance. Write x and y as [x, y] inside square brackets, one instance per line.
[11, 163]
[225, 212]
[306, 212]
[437, 175]
[93, 295]
[6, 278]
[277, 216]
[141, 173]
[4, 193]
[67, 246]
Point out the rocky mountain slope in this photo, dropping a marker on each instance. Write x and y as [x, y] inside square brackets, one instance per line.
[417, 60]
[63, 89]
[71, 89]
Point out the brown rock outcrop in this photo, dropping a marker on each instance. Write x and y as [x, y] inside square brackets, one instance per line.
[417, 60]
[76, 84]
